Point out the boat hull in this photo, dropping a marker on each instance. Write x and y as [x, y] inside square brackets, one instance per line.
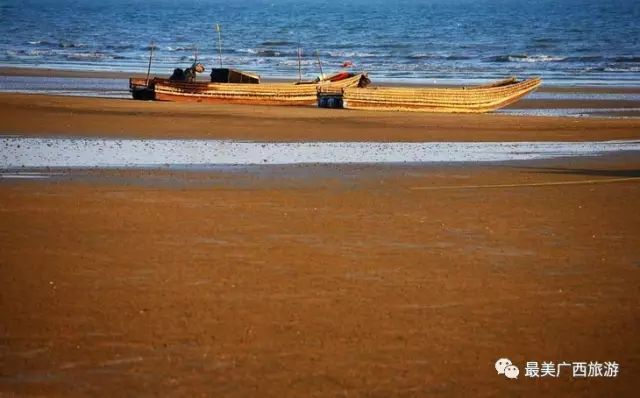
[217, 93]
[142, 89]
[253, 94]
[479, 99]
[143, 94]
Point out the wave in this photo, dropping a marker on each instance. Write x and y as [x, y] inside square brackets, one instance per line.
[457, 57]
[453, 57]
[245, 51]
[634, 59]
[586, 58]
[525, 58]
[90, 56]
[613, 69]
[621, 69]
[60, 44]
[277, 43]
[386, 46]
[543, 40]
[269, 53]
[30, 53]
[350, 54]
[69, 44]
[263, 52]
[554, 58]
[174, 49]
[122, 46]
[40, 43]
[294, 62]
[420, 56]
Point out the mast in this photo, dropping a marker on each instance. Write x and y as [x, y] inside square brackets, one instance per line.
[320, 65]
[299, 63]
[150, 57]
[219, 43]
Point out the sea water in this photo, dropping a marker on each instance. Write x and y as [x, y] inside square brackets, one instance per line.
[565, 41]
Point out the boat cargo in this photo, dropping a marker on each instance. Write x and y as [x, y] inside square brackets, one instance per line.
[227, 75]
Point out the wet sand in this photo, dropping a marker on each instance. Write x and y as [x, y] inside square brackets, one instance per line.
[45, 72]
[325, 281]
[43, 115]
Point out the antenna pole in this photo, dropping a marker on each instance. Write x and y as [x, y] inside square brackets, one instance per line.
[299, 64]
[150, 57]
[219, 43]
[320, 65]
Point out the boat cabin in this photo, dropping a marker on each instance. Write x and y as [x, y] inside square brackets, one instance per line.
[225, 75]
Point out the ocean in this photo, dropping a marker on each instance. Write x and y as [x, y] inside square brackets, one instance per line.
[590, 42]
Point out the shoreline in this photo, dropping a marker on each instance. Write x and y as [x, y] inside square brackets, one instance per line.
[606, 102]
[70, 73]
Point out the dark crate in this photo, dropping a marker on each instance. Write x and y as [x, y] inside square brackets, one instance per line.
[225, 75]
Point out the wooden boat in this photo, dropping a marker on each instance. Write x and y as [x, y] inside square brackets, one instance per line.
[234, 86]
[475, 99]
[144, 88]
[247, 92]
[258, 94]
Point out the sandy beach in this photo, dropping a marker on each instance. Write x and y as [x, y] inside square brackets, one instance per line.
[345, 281]
[351, 280]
